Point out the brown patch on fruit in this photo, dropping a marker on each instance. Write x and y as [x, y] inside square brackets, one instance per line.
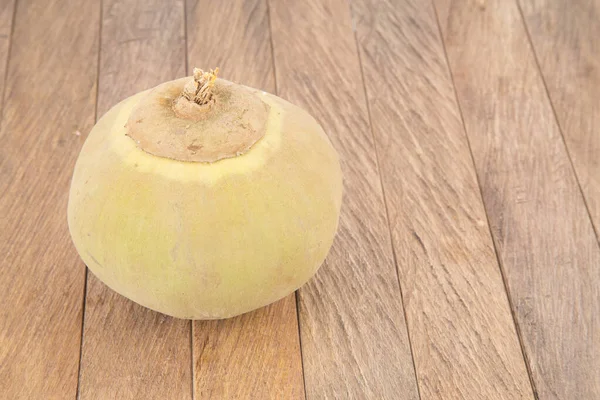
[166, 124]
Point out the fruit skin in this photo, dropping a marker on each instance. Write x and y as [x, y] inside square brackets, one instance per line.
[206, 240]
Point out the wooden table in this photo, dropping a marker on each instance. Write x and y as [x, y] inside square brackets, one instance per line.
[466, 265]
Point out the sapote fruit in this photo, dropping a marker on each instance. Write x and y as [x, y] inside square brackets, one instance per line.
[205, 199]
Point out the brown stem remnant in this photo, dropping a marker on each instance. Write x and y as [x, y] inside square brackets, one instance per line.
[199, 90]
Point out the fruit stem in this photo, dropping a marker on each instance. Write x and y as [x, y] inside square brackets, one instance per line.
[199, 89]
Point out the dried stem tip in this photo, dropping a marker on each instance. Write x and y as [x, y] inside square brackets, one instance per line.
[199, 90]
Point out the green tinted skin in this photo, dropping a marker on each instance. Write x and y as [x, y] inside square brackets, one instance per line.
[200, 240]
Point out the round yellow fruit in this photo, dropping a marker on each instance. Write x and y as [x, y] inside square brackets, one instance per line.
[205, 199]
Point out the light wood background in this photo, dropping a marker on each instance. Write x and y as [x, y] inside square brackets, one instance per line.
[467, 263]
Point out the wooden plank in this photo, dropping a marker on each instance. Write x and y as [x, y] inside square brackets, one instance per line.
[565, 39]
[234, 36]
[50, 95]
[7, 9]
[539, 222]
[129, 351]
[253, 356]
[256, 355]
[463, 336]
[354, 339]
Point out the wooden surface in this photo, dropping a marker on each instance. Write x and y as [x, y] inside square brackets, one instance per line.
[541, 228]
[50, 94]
[7, 11]
[565, 42]
[466, 264]
[462, 333]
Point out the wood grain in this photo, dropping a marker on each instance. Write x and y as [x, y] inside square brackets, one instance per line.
[234, 36]
[130, 352]
[565, 39]
[256, 355]
[463, 336]
[253, 356]
[7, 8]
[354, 339]
[50, 95]
[539, 222]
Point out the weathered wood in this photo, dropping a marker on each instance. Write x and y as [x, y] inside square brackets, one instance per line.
[565, 39]
[234, 36]
[539, 221]
[354, 340]
[256, 355]
[462, 332]
[7, 9]
[253, 356]
[128, 351]
[50, 96]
